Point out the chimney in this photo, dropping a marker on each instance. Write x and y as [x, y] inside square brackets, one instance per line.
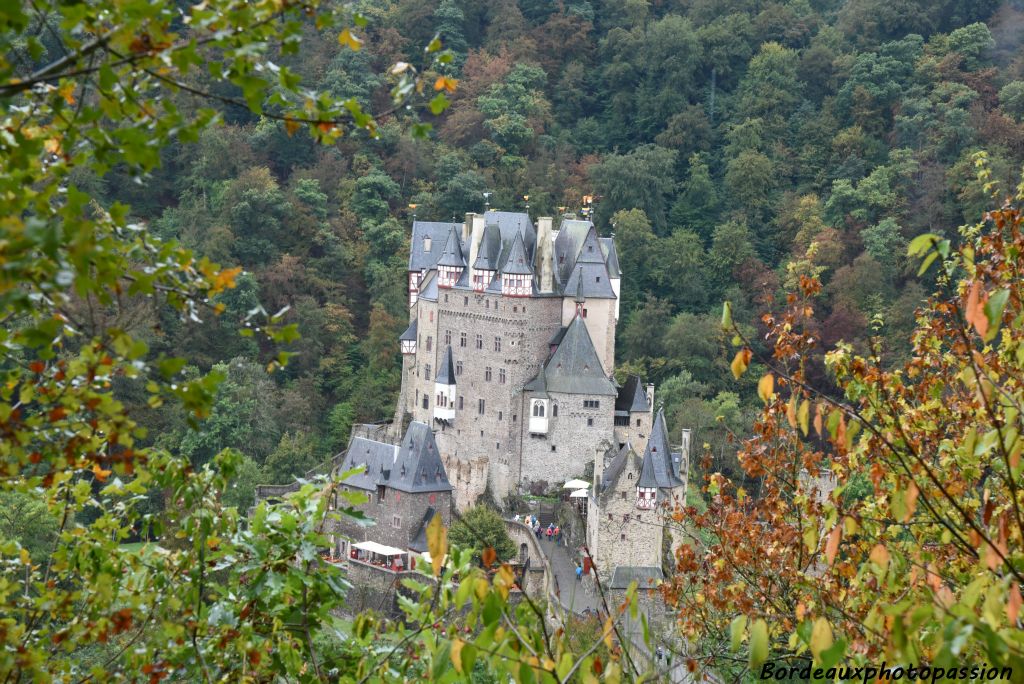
[598, 472]
[467, 226]
[544, 268]
[475, 237]
[650, 395]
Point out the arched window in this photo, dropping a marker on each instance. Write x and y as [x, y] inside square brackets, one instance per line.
[538, 410]
[554, 411]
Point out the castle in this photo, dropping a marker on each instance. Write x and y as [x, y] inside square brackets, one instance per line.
[510, 351]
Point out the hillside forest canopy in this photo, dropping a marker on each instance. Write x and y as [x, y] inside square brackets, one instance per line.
[203, 249]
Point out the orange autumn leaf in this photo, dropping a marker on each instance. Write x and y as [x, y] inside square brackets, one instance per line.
[974, 310]
[832, 546]
[489, 556]
[225, 279]
[100, 474]
[1013, 604]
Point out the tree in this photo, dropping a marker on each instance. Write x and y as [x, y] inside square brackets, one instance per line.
[896, 503]
[480, 528]
[641, 179]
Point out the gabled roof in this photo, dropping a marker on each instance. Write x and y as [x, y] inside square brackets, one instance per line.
[631, 397]
[418, 467]
[420, 258]
[613, 470]
[661, 467]
[376, 459]
[410, 333]
[489, 250]
[517, 262]
[412, 466]
[571, 234]
[452, 254]
[575, 368]
[428, 287]
[611, 257]
[446, 369]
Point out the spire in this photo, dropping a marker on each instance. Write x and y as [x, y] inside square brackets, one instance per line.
[452, 254]
[580, 300]
[446, 370]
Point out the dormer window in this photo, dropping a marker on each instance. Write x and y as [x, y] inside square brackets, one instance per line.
[427, 241]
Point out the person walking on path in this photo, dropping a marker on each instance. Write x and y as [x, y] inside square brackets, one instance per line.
[558, 534]
[550, 531]
[579, 572]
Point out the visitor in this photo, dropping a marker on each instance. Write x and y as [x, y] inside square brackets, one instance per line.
[516, 518]
[550, 531]
[579, 572]
[659, 654]
[558, 534]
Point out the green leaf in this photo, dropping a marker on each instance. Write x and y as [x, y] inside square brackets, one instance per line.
[994, 312]
[438, 104]
[727, 316]
[736, 630]
[758, 643]
[922, 243]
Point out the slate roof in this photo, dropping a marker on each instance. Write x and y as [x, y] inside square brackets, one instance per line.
[412, 466]
[631, 397]
[613, 470]
[419, 540]
[452, 254]
[418, 467]
[611, 257]
[661, 467]
[446, 369]
[646, 576]
[428, 288]
[410, 333]
[571, 234]
[575, 368]
[517, 262]
[419, 258]
[489, 250]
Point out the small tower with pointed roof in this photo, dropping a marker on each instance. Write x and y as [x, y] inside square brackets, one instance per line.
[452, 262]
[444, 390]
[517, 275]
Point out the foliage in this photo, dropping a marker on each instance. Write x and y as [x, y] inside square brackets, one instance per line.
[888, 524]
[480, 528]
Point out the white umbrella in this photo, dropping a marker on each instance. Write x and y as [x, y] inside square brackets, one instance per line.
[579, 494]
[576, 484]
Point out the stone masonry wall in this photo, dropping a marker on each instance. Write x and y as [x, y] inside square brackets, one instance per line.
[575, 442]
[620, 533]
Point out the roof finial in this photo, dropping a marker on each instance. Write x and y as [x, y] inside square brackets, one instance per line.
[579, 295]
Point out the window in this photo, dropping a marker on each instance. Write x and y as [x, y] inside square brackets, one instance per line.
[427, 372]
[638, 422]
[499, 415]
[538, 410]
[623, 496]
[497, 446]
[625, 517]
[447, 336]
[590, 248]
[427, 242]
[479, 341]
[552, 448]
[515, 309]
[396, 521]
[554, 411]
[465, 301]
[590, 422]
[462, 339]
[598, 278]
[446, 298]
[591, 403]
[497, 344]
[458, 368]
[584, 313]
[514, 416]
[609, 516]
[487, 374]
[629, 476]
[622, 537]
[480, 406]
[430, 342]
[501, 375]
[431, 316]
[426, 401]
[461, 402]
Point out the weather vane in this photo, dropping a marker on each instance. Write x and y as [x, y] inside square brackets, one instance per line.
[487, 200]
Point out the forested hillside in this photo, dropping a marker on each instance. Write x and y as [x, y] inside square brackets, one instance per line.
[734, 147]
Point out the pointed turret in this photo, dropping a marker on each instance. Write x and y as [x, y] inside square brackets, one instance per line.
[452, 261]
[517, 274]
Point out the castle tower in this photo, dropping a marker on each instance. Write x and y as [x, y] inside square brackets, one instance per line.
[517, 276]
[444, 390]
[452, 262]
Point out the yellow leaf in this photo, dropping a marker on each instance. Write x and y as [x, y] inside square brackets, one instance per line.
[832, 545]
[445, 83]
[503, 580]
[291, 126]
[803, 414]
[740, 362]
[817, 421]
[821, 637]
[791, 410]
[766, 387]
[456, 654]
[437, 543]
[67, 91]
[225, 279]
[608, 631]
[346, 38]
[974, 310]
[26, 559]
